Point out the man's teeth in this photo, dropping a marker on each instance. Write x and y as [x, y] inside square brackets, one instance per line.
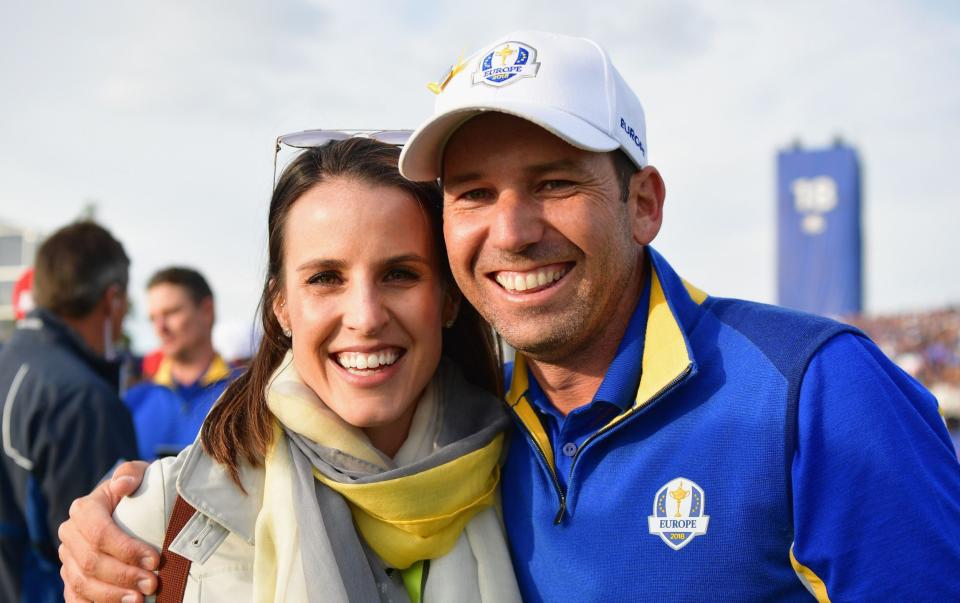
[531, 280]
[361, 361]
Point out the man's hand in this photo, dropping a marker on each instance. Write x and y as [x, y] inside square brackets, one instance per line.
[100, 561]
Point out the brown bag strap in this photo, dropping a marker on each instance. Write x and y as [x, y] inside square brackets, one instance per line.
[173, 567]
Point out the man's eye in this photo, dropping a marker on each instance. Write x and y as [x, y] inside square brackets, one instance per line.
[556, 185]
[477, 194]
[324, 278]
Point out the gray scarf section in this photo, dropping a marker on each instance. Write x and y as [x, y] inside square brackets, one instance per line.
[334, 555]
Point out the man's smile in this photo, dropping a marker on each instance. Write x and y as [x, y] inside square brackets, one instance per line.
[533, 280]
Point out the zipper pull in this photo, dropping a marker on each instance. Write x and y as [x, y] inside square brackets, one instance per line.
[561, 511]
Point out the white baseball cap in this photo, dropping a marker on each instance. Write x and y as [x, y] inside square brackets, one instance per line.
[566, 85]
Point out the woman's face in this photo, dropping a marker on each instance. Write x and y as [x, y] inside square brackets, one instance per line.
[364, 298]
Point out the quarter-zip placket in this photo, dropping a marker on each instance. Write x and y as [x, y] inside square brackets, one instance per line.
[558, 489]
[610, 428]
[602, 432]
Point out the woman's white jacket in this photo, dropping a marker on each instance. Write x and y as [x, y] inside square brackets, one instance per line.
[219, 538]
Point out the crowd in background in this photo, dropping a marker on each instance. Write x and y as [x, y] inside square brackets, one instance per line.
[75, 401]
[924, 344]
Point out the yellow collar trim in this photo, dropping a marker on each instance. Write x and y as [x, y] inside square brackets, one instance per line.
[665, 359]
[217, 371]
[665, 355]
[518, 401]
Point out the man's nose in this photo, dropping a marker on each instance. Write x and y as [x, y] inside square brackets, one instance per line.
[516, 223]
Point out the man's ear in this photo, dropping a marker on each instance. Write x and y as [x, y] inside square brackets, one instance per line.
[207, 307]
[112, 301]
[645, 204]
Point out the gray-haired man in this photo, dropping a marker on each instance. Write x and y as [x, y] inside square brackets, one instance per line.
[64, 425]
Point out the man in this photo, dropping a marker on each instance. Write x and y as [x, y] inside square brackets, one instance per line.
[168, 411]
[64, 425]
[670, 445]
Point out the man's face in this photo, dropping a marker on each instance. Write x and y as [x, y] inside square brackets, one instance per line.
[182, 325]
[538, 237]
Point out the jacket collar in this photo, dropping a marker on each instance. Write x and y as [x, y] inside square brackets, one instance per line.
[667, 356]
[217, 371]
[42, 324]
[206, 485]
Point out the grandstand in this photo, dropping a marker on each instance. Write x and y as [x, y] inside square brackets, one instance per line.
[924, 344]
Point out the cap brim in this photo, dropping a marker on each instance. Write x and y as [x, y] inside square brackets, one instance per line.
[421, 157]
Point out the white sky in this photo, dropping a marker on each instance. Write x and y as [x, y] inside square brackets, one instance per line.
[165, 114]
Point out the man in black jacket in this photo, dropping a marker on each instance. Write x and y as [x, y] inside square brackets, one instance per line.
[63, 424]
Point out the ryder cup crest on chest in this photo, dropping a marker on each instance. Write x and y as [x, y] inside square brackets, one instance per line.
[679, 513]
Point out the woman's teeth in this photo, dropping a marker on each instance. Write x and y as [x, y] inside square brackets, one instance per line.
[360, 361]
[529, 280]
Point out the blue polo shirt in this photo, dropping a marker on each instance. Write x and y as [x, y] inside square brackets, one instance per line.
[615, 395]
[167, 415]
[769, 455]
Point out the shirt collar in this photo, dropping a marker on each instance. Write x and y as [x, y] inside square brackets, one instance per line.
[46, 324]
[217, 371]
[619, 386]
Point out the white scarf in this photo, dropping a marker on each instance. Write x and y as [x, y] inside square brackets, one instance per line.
[476, 569]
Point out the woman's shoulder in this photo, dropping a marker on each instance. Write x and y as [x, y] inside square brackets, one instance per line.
[144, 513]
[221, 568]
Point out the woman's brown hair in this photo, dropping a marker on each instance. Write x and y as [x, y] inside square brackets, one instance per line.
[239, 427]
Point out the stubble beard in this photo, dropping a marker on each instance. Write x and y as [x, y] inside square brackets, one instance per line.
[559, 336]
[546, 334]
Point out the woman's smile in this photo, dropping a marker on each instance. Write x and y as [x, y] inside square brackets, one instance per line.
[365, 312]
[363, 363]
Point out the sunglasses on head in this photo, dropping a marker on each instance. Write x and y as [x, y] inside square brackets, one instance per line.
[309, 139]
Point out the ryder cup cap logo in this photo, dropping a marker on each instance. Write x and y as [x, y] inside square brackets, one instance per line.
[678, 513]
[507, 63]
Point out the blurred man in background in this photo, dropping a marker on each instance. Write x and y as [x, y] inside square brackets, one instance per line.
[64, 425]
[169, 409]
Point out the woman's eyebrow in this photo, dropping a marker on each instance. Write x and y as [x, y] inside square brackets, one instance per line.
[336, 264]
[322, 263]
[404, 258]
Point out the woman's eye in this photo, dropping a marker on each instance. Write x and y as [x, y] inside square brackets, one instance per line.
[401, 274]
[324, 278]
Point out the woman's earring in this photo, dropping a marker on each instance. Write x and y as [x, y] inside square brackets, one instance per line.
[284, 328]
[449, 323]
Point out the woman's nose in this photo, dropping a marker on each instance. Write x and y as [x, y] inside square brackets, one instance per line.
[365, 311]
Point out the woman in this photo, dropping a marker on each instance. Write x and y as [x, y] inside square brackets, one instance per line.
[351, 462]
